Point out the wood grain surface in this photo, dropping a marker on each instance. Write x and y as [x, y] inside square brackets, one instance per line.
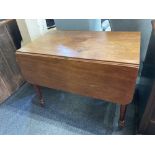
[105, 81]
[10, 75]
[121, 47]
[102, 65]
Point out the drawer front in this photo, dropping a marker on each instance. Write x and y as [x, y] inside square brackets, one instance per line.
[103, 81]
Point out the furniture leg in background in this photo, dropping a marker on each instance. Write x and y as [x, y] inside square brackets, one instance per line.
[39, 94]
[122, 115]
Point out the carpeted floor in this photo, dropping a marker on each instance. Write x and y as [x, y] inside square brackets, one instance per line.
[64, 114]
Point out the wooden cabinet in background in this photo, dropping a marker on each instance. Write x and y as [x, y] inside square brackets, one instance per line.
[10, 75]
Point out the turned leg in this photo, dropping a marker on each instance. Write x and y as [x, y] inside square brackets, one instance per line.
[122, 115]
[39, 94]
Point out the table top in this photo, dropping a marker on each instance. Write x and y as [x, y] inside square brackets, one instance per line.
[118, 47]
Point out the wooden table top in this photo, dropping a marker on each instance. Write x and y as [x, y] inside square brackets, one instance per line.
[118, 47]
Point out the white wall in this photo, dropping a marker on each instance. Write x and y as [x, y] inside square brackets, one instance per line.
[24, 31]
[31, 29]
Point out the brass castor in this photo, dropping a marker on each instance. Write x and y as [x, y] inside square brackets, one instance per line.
[121, 124]
[42, 103]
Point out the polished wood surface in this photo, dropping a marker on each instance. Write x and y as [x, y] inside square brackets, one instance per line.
[103, 80]
[119, 47]
[103, 65]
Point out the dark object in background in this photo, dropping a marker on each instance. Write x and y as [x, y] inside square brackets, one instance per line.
[146, 89]
[13, 29]
[15, 33]
[50, 23]
[105, 25]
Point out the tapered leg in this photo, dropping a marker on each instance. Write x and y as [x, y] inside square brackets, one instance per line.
[122, 115]
[39, 94]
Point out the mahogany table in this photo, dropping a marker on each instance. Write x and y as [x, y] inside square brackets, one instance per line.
[103, 65]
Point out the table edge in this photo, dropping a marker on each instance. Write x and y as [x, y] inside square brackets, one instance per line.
[115, 63]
